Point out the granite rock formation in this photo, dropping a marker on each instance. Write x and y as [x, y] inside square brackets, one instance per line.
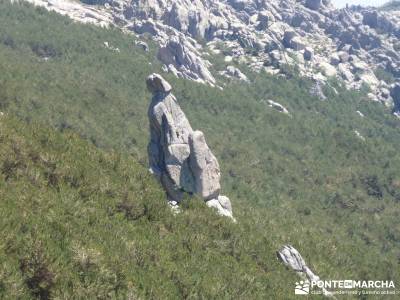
[179, 156]
[353, 44]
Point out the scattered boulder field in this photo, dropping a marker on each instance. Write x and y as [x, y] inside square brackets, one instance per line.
[353, 44]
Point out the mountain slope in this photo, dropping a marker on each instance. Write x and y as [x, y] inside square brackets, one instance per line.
[81, 223]
[358, 45]
[305, 179]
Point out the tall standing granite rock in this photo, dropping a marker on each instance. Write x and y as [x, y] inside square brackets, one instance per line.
[178, 156]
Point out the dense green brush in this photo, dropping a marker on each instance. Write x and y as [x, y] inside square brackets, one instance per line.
[307, 179]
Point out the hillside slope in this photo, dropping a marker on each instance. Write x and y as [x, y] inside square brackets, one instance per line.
[80, 223]
[306, 179]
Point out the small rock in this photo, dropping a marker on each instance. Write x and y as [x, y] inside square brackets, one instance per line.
[279, 107]
[316, 90]
[233, 72]
[360, 114]
[228, 58]
[108, 46]
[308, 53]
[335, 59]
[358, 134]
[142, 45]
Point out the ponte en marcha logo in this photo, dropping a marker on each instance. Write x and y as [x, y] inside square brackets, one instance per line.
[355, 287]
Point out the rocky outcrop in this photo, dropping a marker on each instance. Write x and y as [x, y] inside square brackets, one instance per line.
[78, 12]
[233, 72]
[182, 59]
[292, 259]
[178, 156]
[266, 35]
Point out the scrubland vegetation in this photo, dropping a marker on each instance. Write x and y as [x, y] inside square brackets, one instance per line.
[82, 218]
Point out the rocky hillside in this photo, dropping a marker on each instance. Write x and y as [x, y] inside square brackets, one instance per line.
[81, 220]
[357, 45]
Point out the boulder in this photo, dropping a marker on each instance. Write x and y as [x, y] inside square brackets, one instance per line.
[369, 78]
[370, 18]
[345, 72]
[223, 206]
[313, 4]
[292, 259]
[233, 72]
[327, 69]
[279, 107]
[293, 41]
[308, 53]
[263, 18]
[297, 43]
[335, 59]
[395, 93]
[343, 56]
[287, 37]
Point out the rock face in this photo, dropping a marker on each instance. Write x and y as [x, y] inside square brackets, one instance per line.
[204, 166]
[178, 156]
[182, 59]
[348, 44]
